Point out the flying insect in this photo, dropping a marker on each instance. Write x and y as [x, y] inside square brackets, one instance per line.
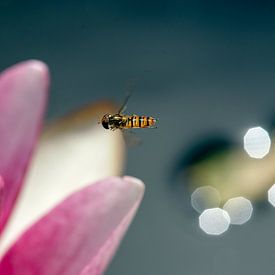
[122, 121]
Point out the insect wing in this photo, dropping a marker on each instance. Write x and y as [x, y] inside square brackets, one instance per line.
[130, 138]
[124, 105]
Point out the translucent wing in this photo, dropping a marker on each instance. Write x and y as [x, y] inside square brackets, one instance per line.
[131, 83]
[124, 105]
[130, 138]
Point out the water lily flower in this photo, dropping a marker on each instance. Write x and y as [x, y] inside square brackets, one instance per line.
[62, 211]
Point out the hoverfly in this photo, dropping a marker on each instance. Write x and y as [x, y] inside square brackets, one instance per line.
[121, 121]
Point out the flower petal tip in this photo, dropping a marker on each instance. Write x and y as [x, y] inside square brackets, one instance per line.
[139, 183]
[125, 188]
[33, 68]
[86, 227]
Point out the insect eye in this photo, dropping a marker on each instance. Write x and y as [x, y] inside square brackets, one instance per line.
[105, 122]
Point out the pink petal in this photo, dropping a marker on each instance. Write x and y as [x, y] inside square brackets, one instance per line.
[1, 194]
[23, 97]
[80, 235]
[64, 162]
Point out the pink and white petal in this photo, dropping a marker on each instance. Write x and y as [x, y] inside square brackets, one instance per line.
[80, 235]
[23, 96]
[72, 152]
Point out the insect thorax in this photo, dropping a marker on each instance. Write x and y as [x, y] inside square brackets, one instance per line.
[116, 121]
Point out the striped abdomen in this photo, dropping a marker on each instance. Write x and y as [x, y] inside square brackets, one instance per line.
[139, 121]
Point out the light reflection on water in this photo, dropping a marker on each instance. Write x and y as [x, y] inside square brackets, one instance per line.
[239, 209]
[234, 168]
[257, 142]
[214, 221]
[271, 195]
[205, 197]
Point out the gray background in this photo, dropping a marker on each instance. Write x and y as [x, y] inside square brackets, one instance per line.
[201, 67]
